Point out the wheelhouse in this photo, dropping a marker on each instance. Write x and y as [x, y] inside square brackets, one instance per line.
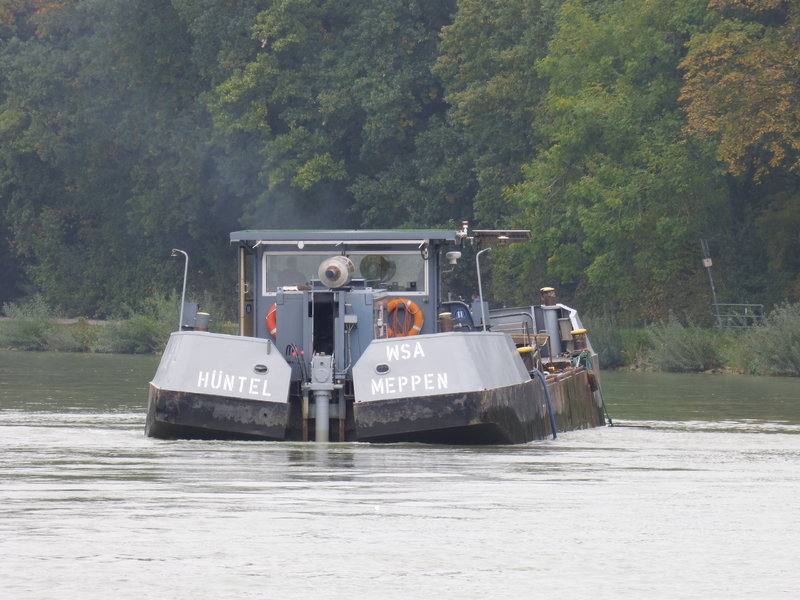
[284, 293]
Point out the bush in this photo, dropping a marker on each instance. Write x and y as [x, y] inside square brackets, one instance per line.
[775, 348]
[680, 349]
[606, 339]
[33, 326]
[635, 345]
[85, 335]
[616, 346]
[143, 332]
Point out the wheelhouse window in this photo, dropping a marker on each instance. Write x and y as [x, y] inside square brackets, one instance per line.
[395, 271]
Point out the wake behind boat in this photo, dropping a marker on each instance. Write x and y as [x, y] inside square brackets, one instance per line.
[345, 336]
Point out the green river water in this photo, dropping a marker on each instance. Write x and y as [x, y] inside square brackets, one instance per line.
[692, 494]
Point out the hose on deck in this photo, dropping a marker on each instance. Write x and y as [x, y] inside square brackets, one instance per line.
[549, 400]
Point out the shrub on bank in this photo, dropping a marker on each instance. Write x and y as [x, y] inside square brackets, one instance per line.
[677, 348]
[606, 339]
[84, 334]
[32, 325]
[143, 332]
[774, 349]
[615, 345]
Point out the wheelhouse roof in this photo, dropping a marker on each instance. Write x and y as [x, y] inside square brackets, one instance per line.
[352, 235]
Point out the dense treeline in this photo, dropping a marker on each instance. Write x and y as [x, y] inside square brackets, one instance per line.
[621, 132]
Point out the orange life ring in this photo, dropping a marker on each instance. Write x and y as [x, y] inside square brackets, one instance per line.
[272, 320]
[411, 310]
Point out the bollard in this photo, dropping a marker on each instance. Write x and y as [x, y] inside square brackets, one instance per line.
[548, 296]
[445, 321]
[526, 353]
[579, 342]
[201, 321]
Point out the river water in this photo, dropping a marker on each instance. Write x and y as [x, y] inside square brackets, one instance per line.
[692, 494]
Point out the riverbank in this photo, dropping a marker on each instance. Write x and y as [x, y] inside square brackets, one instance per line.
[137, 335]
[671, 346]
[771, 349]
[35, 326]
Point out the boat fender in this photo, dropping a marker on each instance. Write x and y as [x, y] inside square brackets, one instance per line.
[412, 310]
[272, 320]
[592, 377]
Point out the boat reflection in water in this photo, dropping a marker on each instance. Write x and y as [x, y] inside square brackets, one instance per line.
[345, 336]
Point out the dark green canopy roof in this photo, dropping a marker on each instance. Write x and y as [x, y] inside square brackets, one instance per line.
[352, 235]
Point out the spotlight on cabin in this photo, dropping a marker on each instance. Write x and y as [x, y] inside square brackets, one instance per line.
[336, 271]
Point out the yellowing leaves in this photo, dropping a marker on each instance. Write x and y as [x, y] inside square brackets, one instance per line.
[742, 87]
[321, 167]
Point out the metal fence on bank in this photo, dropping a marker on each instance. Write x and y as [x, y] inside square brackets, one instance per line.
[738, 315]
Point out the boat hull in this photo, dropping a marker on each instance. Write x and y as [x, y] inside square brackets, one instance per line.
[191, 415]
[509, 415]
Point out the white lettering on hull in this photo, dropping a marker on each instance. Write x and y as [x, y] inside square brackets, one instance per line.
[404, 351]
[220, 381]
[409, 384]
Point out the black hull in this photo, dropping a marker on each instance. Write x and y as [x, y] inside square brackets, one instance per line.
[511, 415]
[184, 415]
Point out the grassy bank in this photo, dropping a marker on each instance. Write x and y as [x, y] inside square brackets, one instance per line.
[773, 349]
[671, 346]
[34, 326]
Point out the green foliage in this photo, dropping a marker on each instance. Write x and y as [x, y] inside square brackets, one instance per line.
[128, 128]
[105, 154]
[635, 345]
[337, 94]
[616, 199]
[487, 66]
[28, 326]
[142, 332]
[678, 348]
[617, 346]
[775, 348]
[606, 338]
[32, 325]
[85, 335]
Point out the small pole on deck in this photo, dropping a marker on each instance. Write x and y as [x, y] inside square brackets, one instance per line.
[175, 252]
[480, 287]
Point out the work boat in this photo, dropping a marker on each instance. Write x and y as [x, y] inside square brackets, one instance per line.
[345, 336]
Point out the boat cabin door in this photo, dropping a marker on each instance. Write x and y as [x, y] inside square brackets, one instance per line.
[324, 311]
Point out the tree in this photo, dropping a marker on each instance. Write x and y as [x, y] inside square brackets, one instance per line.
[742, 83]
[338, 94]
[741, 90]
[104, 153]
[617, 200]
[487, 65]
